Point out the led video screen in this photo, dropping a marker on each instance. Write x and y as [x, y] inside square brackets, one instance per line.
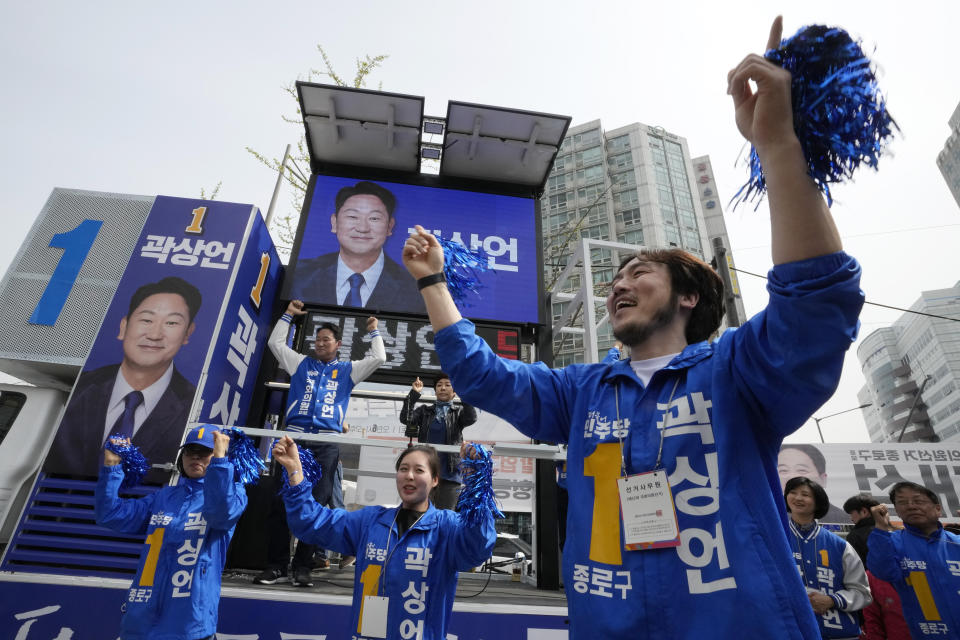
[348, 250]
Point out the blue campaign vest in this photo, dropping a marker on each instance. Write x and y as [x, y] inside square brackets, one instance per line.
[319, 393]
[819, 558]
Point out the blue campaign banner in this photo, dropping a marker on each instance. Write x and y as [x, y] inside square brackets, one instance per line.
[155, 336]
[350, 224]
[37, 611]
[242, 336]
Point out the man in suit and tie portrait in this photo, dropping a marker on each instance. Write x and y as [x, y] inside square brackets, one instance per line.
[360, 274]
[144, 397]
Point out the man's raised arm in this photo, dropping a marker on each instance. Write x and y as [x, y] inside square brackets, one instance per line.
[288, 358]
[801, 224]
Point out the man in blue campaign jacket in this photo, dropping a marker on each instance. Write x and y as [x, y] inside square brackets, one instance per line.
[922, 561]
[710, 415]
[175, 594]
[320, 389]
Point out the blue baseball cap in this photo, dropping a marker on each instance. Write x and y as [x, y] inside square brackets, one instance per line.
[201, 435]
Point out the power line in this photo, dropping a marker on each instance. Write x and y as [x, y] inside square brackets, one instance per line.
[875, 304]
[556, 250]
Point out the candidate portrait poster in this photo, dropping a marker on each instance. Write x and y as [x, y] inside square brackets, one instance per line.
[144, 366]
[350, 242]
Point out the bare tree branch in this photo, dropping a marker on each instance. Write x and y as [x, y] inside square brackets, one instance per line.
[284, 227]
[213, 194]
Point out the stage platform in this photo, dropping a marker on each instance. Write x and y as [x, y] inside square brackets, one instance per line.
[473, 588]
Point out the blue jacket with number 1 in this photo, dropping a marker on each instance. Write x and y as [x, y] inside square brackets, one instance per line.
[925, 571]
[719, 411]
[175, 594]
[828, 564]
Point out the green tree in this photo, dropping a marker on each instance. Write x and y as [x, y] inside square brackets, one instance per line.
[297, 171]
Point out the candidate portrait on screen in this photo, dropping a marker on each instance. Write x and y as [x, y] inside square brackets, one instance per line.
[360, 274]
[144, 397]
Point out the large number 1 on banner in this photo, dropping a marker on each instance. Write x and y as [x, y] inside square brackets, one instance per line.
[196, 224]
[76, 244]
[257, 291]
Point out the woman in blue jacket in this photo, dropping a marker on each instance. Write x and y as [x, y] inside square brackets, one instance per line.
[831, 570]
[407, 556]
[175, 594]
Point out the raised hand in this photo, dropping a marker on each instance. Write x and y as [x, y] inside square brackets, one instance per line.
[422, 254]
[881, 515]
[295, 308]
[417, 385]
[469, 450]
[286, 453]
[764, 116]
[801, 226]
[110, 459]
[221, 443]
[372, 324]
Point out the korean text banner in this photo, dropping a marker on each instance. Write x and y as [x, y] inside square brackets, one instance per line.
[373, 216]
[57, 610]
[408, 343]
[141, 374]
[845, 470]
[242, 336]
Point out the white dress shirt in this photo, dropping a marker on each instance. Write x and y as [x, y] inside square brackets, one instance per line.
[151, 397]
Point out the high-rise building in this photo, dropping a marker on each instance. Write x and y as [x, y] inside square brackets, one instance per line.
[636, 185]
[949, 159]
[719, 242]
[912, 371]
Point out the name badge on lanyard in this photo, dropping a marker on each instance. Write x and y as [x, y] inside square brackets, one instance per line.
[649, 516]
[373, 623]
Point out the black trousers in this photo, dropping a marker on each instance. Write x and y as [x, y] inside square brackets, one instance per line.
[446, 494]
[278, 550]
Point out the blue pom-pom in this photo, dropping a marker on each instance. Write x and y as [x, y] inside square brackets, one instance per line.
[311, 469]
[462, 268]
[134, 465]
[243, 454]
[839, 113]
[477, 496]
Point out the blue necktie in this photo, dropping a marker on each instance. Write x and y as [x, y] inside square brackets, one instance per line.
[123, 427]
[356, 280]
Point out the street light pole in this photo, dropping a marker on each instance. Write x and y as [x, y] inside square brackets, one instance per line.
[276, 188]
[817, 420]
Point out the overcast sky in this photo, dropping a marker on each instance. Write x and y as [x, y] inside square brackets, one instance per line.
[162, 99]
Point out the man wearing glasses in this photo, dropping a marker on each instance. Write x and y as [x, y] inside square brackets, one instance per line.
[922, 561]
